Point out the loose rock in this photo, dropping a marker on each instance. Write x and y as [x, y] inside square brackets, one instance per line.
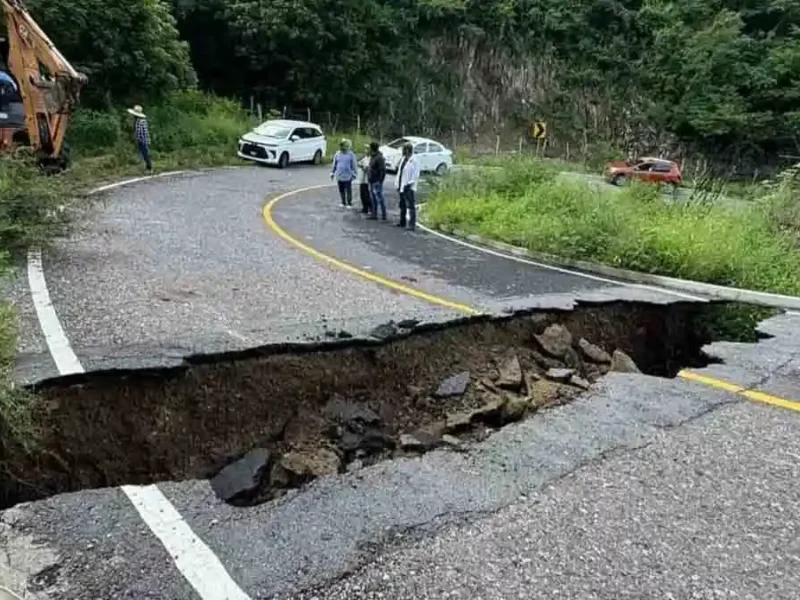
[453, 386]
[370, 440]
[458, 421]
[594, 353]
[555, 340]
[623, 363]
[580, 382]
[242, 477]
[560, 374]
[304, 466]
[510, 372]
[419, 441]
[452, 441]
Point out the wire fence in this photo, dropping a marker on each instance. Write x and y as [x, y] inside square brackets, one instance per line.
[582, 147]
[382, 130]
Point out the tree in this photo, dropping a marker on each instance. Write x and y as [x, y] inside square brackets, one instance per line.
[130, 49]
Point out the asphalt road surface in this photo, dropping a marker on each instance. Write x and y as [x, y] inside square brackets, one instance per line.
[643, 488]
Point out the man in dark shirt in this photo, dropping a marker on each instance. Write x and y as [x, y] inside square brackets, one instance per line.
[376, 175]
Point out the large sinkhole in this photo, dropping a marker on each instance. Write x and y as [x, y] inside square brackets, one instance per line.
[269, 419]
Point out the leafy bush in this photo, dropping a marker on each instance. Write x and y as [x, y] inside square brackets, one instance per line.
[635, 228]
[93, 131]
[30, 205]
[192, 119]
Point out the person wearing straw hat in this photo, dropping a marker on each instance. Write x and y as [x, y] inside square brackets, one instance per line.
[141, 133]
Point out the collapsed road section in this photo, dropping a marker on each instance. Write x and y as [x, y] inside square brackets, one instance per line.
[272, 418]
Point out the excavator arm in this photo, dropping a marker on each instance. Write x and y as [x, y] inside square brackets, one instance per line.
[48, 83]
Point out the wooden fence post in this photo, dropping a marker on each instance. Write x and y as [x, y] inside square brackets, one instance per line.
[260, 113]
[497, 145]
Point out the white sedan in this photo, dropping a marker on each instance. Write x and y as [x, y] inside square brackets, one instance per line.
[433, 157]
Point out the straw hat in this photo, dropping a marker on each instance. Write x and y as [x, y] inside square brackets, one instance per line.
[136, 111]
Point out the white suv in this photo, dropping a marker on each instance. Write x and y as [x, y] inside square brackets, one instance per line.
[282, 142]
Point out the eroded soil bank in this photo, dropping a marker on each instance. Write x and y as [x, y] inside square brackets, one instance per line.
[313, 409]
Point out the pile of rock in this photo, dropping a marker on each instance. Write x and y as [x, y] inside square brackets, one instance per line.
[554, 368]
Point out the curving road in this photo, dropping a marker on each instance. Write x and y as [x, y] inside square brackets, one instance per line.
[186, 264]
[603, 498]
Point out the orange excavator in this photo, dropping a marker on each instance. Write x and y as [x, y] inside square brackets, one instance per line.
[39, 90]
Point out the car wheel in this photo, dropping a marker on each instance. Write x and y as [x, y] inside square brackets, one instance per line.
[317, 160]
[283, 161]
[441, 169]
[619, 180]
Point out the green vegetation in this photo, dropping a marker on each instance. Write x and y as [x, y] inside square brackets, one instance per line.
[528, 204]
[711, 78]
[187, 128]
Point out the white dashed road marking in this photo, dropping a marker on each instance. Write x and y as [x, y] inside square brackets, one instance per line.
[193, 558]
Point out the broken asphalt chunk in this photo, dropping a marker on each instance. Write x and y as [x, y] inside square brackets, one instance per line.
[510, 373]
[593, 353]
[419, 441]
[242, 477]
[453, 386]
[560, 375]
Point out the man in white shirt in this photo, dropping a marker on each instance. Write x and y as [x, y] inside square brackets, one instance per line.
[406, 183]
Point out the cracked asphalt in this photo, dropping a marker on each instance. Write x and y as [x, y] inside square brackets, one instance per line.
[642, 488]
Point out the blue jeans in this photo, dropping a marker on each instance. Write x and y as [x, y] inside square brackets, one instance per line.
[144, 150]
[378, 201]
[408, 202]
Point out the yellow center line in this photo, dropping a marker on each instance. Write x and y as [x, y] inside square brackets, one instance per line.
[741, 391]
[399, 287]
[394, 285]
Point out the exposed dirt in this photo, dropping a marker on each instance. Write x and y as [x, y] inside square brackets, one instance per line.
[318, 408]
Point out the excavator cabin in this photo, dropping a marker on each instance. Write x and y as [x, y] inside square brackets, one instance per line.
[39, 89]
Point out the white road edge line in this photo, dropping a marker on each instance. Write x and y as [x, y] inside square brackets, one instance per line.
[66, 361]
[193, 558]
[554, 268]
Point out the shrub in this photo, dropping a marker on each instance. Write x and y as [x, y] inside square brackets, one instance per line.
[636, 228]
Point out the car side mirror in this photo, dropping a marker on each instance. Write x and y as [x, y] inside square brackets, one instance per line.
[294, 138]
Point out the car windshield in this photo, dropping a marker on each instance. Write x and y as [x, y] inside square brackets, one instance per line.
[273, 130]
[397, 144]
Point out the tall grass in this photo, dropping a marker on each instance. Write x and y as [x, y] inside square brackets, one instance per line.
[527, 204]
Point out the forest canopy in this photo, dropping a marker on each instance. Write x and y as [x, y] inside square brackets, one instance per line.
[714, 76]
